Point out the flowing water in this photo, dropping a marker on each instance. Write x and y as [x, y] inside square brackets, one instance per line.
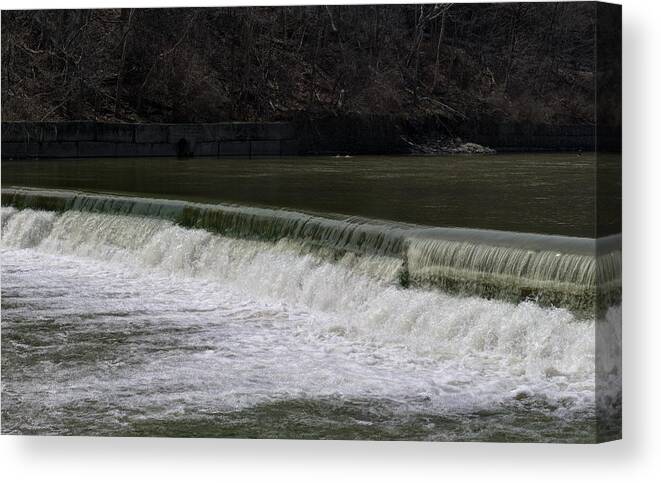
[132, 315]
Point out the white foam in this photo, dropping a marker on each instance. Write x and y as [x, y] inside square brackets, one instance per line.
[272, 320]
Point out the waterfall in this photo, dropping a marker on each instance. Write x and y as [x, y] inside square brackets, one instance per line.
[579, 273]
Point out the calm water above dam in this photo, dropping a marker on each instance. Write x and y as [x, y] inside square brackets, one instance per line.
[539, 193]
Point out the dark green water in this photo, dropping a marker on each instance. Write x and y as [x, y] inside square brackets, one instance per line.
[538, 193]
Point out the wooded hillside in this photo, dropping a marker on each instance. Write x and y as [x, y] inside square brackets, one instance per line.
[517, 61]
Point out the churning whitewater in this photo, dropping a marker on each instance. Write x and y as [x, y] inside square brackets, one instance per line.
[178, 321]
[135, 324]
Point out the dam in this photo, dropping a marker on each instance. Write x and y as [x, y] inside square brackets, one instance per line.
[383, 306]
[551, 269]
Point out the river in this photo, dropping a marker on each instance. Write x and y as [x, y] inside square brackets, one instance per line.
[394, 298]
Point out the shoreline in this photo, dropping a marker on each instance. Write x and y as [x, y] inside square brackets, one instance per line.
[338, 135]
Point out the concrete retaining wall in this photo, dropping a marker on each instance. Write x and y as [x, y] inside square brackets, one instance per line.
[82, 139]
[346, 134]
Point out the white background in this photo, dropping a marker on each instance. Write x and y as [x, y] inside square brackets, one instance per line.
[636, 458]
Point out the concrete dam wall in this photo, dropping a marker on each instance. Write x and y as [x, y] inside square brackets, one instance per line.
[83, 139]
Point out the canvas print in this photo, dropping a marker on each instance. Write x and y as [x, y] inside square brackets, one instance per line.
[373, 222]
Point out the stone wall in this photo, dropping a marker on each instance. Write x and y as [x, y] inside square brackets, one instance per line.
[81, 139]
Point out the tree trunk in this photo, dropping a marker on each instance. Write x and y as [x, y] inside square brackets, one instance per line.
[120, 72]
[438, 50]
